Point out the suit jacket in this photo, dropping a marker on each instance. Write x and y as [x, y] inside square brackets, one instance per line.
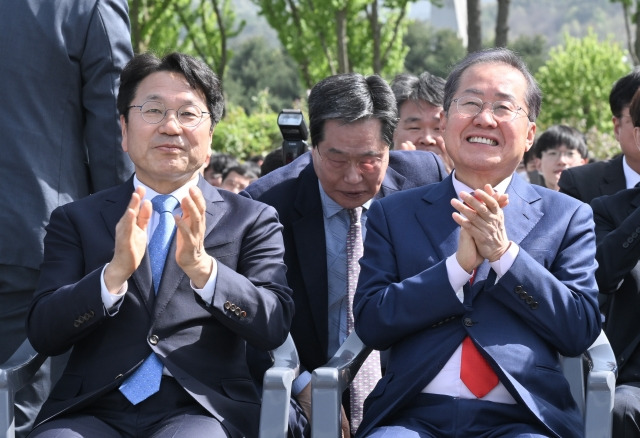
[617, 219]
[61, 140]
[201, 344]
[293, 191]
[593, 180]
[545, 304]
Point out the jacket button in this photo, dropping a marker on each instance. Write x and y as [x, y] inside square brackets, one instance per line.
[243, 314]
[227, 305]
[237, 311]
[467, 322]
[153, 339]
[518, 289]
[534, 305]
[625, 245]
[529, 300]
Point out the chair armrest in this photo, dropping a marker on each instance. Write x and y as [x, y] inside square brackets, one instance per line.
[16, 372]
[601, 385]
[276, 390]
[329, 382]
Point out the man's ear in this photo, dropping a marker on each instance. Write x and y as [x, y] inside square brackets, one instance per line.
[123, 128]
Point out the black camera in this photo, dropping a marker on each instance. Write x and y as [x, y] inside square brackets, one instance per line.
[294, 132]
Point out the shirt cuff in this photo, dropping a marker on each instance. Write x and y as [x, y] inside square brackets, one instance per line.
[206, 293]
[300, 382]
[504, 263]
[458, 277]
[111, 301]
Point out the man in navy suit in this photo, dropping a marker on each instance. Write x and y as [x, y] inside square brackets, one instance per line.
[351, 121]
[617, 219]
[622, 172]
[61, 62]
[223, 284]
[478, 283]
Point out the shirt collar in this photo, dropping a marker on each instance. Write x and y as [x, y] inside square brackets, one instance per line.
[330, 207]
[631, 176]
[460, 186]
[179, 194]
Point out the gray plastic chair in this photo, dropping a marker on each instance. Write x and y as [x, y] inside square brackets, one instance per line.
[21, 367]
[594, 394]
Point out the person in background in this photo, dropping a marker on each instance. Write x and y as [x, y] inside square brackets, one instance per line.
[419, 101]
[61, 63]
[617, 219]
[237, 178]
[159, 284]
[214, 170]
[557, 149]
[351, 122]
[479, 283]
[621, 172]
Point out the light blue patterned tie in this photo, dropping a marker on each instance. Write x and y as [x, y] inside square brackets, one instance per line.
[145, 381]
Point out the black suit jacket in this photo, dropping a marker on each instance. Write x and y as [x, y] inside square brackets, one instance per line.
[593, 180]
[617, 219]
[203, 345]
[293, 191]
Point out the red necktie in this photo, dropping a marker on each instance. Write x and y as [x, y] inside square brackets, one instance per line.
[475, 371]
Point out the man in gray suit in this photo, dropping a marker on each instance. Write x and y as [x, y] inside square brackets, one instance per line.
[61, 61]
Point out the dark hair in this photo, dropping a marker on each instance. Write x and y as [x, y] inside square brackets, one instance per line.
[242, 170]
[622, 92]
[558, 135]
[500, 55]
[634, 108]
[219, 162]
[351, 97]
[198, 74]
[426, 87]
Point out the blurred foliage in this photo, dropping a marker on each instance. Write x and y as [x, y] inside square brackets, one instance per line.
[256, 67]
[576, 82]
[532, 49]
[430, 49]
[244, 136]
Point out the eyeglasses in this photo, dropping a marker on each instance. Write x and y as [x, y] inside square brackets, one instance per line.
[342, 162]
[502, 110]
[154, 112]
[555, 155]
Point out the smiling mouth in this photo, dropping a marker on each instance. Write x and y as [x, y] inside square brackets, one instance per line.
[482, 140]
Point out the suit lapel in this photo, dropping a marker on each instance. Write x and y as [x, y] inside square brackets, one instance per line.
[111, 214]
[173, 275]
[311, 247]
[434, 216]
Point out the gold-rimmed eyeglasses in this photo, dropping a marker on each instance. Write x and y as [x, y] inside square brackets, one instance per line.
[154, 112]
[502, 110]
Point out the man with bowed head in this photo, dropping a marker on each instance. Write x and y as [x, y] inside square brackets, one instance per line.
[160, 283]
[351, 121]
[477, 284]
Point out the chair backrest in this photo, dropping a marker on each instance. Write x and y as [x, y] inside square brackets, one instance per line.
[593, 393]
[23, 364]
[276, 390]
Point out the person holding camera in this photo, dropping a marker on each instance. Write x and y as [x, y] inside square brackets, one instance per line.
[352, 120]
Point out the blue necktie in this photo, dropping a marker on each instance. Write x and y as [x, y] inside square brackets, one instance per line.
[145, 381]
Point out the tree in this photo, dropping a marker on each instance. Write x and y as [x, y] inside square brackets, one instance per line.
[256, 67]
[430, 49]
[633, 47]
[340, 36]
[532, 49]
[502, 23]
[576, 81]
[474, 26]
[200, 28]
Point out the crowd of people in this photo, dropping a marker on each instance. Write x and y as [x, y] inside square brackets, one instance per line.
[429, 216]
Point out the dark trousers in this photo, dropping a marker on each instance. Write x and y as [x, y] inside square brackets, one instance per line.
[626, 411]
[440, 416]
[171, 412]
